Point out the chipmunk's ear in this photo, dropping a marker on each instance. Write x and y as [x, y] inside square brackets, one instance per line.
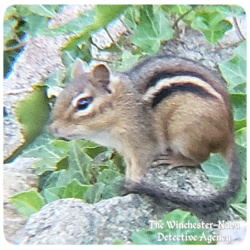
[100, 73]
[79, 68]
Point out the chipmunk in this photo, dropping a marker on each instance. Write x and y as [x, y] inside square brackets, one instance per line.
[165, 110]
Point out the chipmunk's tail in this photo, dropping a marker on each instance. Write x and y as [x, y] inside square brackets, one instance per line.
[198, 204]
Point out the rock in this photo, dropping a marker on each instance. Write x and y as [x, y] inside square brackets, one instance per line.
[18, 177]
[72, 221]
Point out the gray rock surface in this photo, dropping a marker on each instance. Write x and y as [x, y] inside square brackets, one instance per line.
[18, 177]
[71, 221]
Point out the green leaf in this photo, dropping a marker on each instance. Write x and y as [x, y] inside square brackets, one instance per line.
[69, 56]
[79, 163]
[38, 25]
[53, 193]
[127, 61]
[102, 14]
[23, 11]
[106, 13]
[28, 202]
[78, 24]
[57, 179]
[231, 10]
[75, 189]
[49, 155]
[242, 152]
[176, 9]
[55, 79]
[216, 169]
[153, 29]
[239, 124]
[42, 10]
[241, 137]
[211, 22]
[118, 242]
[92, 149]
[241, 209]
[94, 193]
[165, 232]
[114, 188]
[61, 144]
[239, 103]
[234, 70]
[241, 196]
[145, 237]
[78, 167]
[131, 17]
[107, 175]
[26, 111]
[113, 181]
[9, 33]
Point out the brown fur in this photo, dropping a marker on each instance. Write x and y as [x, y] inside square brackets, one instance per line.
[182, 129]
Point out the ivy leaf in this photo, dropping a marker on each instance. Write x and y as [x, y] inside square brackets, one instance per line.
[32, 122]
[239, 104]
[132, 16]
[153, 29]
[92, 149]
[42, 10]
[107, 175]
[240, 137]
[79, 163]
[241, 196]
[94, 193]
[114, 188]
[49, 155]
[211, 23]
[113, 181]
[127, 61]
[234, 70]
[37, 25]
[242, 152]
[75, 189]
[216, 170]
[101, 16]
[106, 13]
[241, 209]
[8, 30]
[53, 193]
[28, 202]
[57, 179]
[78, 24]
[54, 79]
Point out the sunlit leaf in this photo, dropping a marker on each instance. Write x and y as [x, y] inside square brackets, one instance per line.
[234, 70]
[42, 10]
[26, 110]
[28, 202]
[152, 29]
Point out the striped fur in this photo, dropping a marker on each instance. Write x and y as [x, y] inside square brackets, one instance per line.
[168, 86]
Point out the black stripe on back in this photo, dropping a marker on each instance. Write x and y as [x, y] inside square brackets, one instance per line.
[187, 87]
[162, 75]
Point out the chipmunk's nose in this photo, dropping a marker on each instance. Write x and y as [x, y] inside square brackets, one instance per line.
[53, 128]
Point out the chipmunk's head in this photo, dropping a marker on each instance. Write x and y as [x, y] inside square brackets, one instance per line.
[85, 108]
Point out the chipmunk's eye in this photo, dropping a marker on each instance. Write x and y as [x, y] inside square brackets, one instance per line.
[83, 103]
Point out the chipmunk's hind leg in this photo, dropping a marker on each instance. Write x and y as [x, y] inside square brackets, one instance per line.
[173, 160]
[182, 153]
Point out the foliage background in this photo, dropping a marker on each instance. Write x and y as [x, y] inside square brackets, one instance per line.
[82, 169]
